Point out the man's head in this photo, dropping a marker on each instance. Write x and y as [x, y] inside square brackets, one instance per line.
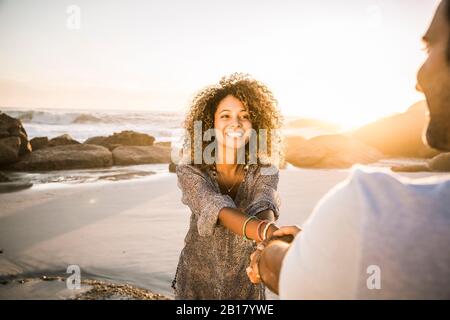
[434, 78]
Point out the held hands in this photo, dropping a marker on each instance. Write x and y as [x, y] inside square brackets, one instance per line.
[286, 234]
[253, 269]
[287, 230]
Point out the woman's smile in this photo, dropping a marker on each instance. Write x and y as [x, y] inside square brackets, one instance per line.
[234, 133]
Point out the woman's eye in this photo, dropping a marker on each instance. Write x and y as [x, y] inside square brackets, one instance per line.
[246, 117]
[224, 116]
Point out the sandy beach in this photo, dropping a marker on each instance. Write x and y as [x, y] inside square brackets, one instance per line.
[126, 232]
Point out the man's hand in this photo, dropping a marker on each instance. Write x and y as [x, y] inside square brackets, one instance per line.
[287, 230]
[253, 270]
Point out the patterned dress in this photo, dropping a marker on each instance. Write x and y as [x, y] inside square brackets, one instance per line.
[213, 262]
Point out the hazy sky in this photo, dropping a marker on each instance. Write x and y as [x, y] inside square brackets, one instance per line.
[348, 61]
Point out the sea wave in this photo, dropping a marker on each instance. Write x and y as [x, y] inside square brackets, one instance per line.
[60, 117]
[164, 126]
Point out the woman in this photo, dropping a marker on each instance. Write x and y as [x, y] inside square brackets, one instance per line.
[233, 202]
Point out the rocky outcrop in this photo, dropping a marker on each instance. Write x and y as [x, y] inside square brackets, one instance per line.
[9, 150]
[440, 163]
[39, 143]
[98, 140]
[329, 151]
[131, 155]
[62, 140]
[400, 135]
[13, 140]
[163, 144]
[124, 138]
[301, 153]
[74, 156]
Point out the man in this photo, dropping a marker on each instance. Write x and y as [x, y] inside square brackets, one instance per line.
[376, 236]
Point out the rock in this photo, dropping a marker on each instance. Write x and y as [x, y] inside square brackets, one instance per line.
[74, 156]
[130, 155]
[131, 138]
[39, 143]
[101, 290]
[301, 153]
[163, 144]
[111, 147]
[329, 151]
[9, 150]
[124, 138]
[62, 140]
[12, 129]
[440, 163]
[172, 167]
[96, 140]
[4, 178]
[412, 168]
[399, 135]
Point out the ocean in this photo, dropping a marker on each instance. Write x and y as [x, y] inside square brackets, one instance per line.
[81, 125]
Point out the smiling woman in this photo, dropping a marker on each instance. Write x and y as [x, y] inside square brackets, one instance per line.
[232, 203]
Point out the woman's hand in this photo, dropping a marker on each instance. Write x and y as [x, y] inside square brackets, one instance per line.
[252, 270]
[287, 230]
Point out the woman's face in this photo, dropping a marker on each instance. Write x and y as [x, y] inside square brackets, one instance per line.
[232, 123]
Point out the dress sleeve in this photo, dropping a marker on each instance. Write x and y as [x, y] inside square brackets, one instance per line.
[265, 195]
[200, 196]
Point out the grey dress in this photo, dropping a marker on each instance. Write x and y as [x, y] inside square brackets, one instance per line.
[213, 262]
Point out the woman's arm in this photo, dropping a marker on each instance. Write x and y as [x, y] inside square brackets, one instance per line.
[266, 215]
[234, 220]
[213, 207]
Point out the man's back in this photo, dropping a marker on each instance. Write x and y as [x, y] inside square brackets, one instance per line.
[374, 231]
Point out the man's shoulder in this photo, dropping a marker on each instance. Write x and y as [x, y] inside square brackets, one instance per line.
[378, 186]
[372, 178]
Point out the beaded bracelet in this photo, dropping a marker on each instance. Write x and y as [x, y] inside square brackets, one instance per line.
[245, 225]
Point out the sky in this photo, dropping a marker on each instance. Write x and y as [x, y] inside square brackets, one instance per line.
[347, 61]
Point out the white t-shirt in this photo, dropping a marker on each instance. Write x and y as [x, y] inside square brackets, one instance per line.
[374, 236]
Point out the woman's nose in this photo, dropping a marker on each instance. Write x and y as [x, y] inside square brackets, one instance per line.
[236, 122]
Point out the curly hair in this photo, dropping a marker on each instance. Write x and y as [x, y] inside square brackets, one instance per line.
[259, 102]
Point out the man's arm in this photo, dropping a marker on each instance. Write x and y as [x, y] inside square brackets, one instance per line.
[270, 263]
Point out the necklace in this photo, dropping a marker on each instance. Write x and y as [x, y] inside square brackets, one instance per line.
[234, 184]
